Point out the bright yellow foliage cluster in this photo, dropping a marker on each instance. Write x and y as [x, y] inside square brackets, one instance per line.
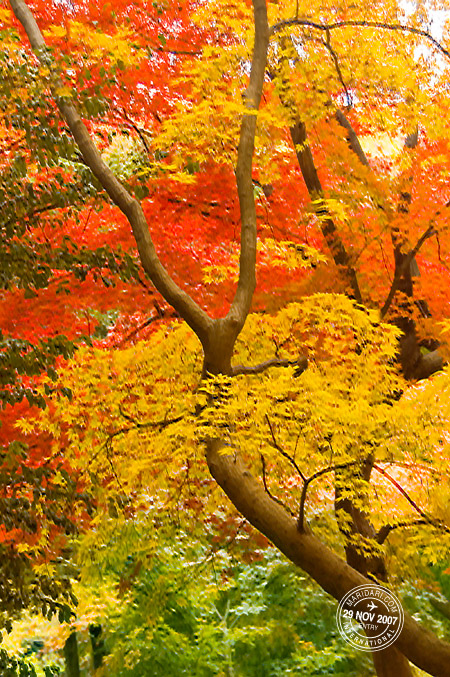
[138, 418]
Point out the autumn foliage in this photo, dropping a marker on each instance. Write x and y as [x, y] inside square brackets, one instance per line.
[154, 156]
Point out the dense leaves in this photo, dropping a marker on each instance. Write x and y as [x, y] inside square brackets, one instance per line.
[182, 617]
[296, 430]
[169, 106]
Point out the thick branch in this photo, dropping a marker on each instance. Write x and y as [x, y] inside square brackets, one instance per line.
[329, 230]
[197, 319]
[405, 266]
[219, 346]
[429, 364]
[252, 97]
[330, 571]
[442, 606]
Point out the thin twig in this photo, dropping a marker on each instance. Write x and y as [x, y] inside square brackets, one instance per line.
[428, 520]
[160, 314]
[308, 23]
[267, 490]
[404, 493]
[138, 131]
[108, 449]
[177, 52]
[327, 43]
[165, 423]
[282, 452]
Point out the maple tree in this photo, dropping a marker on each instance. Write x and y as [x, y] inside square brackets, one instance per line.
[185, 111]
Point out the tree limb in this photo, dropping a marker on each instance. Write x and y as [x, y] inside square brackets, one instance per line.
[386, 529]
[352, 138]
[189, 310]
[276, 446]
[307, 481]
[330, 571]
[308, 169]
[334, 56]
[309, 23]
[240, 305]
[442, 606]
[430, 231]
[427, 520]
[328, 227]
[429, 364]
[301, 363]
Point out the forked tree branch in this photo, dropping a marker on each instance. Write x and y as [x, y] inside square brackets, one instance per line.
[307, 482]
[430, 231]
[327, 568]
[326, 27]
[285, 455]
[189, 310]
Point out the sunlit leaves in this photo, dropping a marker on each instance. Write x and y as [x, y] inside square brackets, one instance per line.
[138, 417]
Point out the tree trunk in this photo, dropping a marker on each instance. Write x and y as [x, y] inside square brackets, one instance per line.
[327, 568]
[97, 645]
[71, 659]
[391, 663]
